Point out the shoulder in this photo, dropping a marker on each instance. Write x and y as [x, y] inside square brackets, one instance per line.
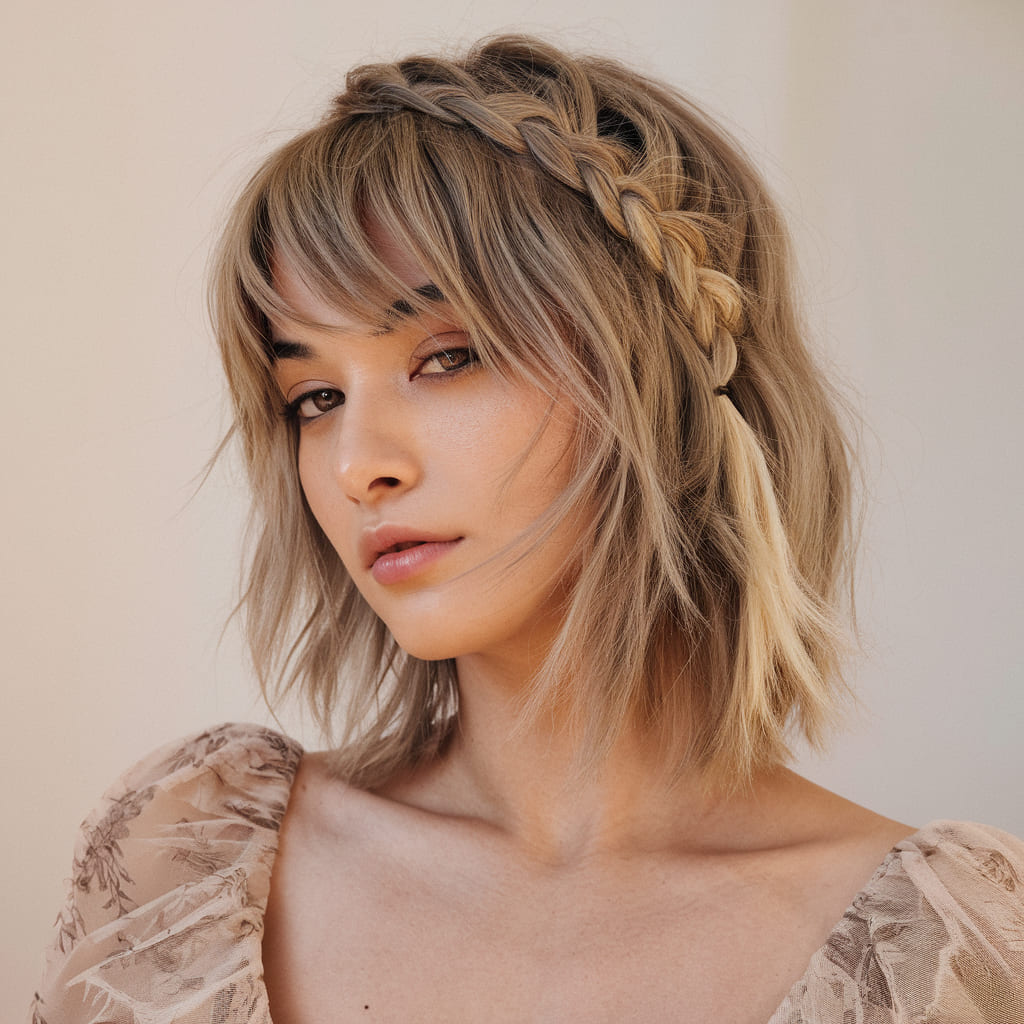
[170, 874]
[937, 933]
[975, 854]
[235, 771]
[968, 879]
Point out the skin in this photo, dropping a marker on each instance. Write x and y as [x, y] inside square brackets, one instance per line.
[493, 884]
[422, 422]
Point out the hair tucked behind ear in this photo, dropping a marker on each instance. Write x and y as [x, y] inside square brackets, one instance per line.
[600, 235]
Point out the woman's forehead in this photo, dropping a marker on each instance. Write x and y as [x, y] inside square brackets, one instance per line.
[306, 304]
[395, 255]
[309, 306]
[391, 264]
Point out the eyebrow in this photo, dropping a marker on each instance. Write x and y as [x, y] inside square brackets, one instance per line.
[289, 350]
[281, 349]
[428, 291]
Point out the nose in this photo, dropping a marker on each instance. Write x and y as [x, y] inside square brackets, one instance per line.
[374, 452]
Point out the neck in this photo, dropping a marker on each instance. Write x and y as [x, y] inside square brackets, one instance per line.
[524, 779]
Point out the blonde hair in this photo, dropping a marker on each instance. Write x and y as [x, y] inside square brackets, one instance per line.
[598, 234]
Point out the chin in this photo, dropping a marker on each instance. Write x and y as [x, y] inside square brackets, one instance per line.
[427, 650]
[432, 640]
[427, 640]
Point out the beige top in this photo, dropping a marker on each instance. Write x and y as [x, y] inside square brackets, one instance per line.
[164, 920]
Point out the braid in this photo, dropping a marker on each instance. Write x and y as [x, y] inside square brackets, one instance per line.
[671, 242]
[778, 610]
[596, 234]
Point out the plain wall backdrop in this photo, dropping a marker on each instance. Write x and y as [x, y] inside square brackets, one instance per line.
[892, 134]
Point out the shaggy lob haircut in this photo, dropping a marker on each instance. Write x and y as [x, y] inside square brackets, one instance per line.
[596, 234]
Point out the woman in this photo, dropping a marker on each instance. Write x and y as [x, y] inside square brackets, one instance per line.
[544, 472]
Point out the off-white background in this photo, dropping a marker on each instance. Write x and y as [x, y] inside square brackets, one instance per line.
[892, 132]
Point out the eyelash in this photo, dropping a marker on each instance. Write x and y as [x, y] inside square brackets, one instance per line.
[291, 409]
[471, 360]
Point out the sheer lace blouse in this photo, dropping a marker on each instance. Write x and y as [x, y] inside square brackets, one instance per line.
[164, 918]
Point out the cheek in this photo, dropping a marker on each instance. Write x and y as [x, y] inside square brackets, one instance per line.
[325, 499]
[548, 468]
[308, 480]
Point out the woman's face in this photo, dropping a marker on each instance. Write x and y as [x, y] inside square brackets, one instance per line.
[423, 468]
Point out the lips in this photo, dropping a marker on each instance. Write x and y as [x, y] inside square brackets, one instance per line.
[393, 553]
[404, 546]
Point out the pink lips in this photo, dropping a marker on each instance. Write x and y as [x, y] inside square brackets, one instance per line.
[394, 567]
[394, 554]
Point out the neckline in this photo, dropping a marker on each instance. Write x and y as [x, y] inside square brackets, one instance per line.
[869, 886]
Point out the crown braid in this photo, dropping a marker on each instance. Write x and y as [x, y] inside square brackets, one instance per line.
[596, 230]
[671, 242]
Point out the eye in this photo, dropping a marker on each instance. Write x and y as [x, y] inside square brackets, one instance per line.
[313, 404]
[448, 360]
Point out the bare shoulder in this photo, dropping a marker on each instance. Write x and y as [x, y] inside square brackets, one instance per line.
[829, 846]
[324, 812]
[336, 839]
[839, 820]
[317, 866]
[375, 893]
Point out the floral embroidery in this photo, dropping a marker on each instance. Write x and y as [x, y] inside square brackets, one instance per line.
[171, 878]
[197, 752]
[187, 895]
[100, 867]
[997, 869]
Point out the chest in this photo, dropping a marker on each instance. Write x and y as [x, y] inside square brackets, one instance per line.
[661, 943]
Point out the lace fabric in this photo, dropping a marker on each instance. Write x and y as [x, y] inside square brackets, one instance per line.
[164, 918]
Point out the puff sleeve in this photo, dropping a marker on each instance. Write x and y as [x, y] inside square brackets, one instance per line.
[936, 936]
[164, 916]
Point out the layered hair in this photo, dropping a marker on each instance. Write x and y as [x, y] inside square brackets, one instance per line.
[598, 235]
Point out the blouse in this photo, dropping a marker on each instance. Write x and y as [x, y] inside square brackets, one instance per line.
[164, 918]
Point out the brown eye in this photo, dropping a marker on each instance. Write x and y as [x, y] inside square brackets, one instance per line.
[448, 361]
[315, 403]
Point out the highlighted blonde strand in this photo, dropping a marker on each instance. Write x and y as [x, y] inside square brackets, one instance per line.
[600, 237]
